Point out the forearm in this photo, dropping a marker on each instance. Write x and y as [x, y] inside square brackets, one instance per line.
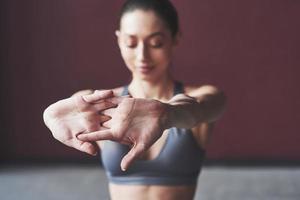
[185, 112]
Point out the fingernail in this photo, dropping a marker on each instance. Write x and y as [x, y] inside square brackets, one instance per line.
[123, 168]
[81, 136]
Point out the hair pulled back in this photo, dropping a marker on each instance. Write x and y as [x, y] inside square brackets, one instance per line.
[162, 8]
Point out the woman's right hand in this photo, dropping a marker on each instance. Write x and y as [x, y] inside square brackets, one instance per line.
[70, 117]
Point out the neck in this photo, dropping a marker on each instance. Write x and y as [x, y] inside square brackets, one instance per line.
[161, 89]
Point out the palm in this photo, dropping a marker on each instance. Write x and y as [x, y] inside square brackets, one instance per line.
[137, 122]
[70, 117]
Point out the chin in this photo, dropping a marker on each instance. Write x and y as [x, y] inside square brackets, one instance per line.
[149, 78]
[146, 78]
[152, 76]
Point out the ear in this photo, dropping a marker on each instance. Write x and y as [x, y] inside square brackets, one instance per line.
[117, 33]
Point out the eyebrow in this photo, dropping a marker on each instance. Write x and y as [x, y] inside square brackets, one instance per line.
[156, 34]
[150, 36]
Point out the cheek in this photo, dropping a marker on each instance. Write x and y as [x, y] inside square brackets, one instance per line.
[163, 56]
[128, 57]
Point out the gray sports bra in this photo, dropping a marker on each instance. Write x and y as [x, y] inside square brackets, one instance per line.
[178, 163]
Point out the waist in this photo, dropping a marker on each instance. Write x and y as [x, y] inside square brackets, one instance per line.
[154, 180]
[153, 192]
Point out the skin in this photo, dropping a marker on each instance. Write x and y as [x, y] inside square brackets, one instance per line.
[72, 116]
[146, 45]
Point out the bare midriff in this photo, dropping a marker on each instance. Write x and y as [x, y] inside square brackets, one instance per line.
[145, 192]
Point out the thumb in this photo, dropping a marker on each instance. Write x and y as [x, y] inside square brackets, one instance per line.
[132, 155]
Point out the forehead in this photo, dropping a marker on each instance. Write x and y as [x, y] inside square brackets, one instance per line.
[142, 23]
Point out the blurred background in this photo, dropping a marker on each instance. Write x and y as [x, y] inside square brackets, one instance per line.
[251, 49]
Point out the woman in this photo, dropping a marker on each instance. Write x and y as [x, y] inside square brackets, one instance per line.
[153, 132]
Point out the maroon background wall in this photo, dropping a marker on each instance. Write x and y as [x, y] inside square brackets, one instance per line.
[50, 49]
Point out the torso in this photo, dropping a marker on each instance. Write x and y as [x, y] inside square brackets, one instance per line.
[159, 192]
[142, 192]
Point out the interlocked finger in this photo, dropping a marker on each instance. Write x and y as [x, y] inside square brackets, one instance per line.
[97, 96]
[103, 105]
[97, 135]
[109, 112]
[103, 118]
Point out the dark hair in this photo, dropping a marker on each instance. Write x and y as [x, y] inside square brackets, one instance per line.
[162, 8]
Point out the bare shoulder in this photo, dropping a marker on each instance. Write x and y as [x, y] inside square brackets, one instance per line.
[201, 89]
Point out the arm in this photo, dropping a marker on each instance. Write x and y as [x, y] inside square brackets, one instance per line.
[140, 122]
[198, 109]
[201, 105]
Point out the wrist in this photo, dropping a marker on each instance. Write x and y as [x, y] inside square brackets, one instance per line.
[167, 116]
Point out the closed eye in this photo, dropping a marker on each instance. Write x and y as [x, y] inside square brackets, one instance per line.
[156, 45]
[156, 42]
[130, 42]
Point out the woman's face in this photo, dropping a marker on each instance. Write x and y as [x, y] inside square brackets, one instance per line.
[146, 44]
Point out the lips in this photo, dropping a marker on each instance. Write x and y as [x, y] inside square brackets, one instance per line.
[145, 68]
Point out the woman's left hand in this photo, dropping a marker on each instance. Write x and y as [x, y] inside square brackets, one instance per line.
[136, 122]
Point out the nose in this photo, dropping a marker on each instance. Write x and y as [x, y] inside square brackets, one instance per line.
[142, 53]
